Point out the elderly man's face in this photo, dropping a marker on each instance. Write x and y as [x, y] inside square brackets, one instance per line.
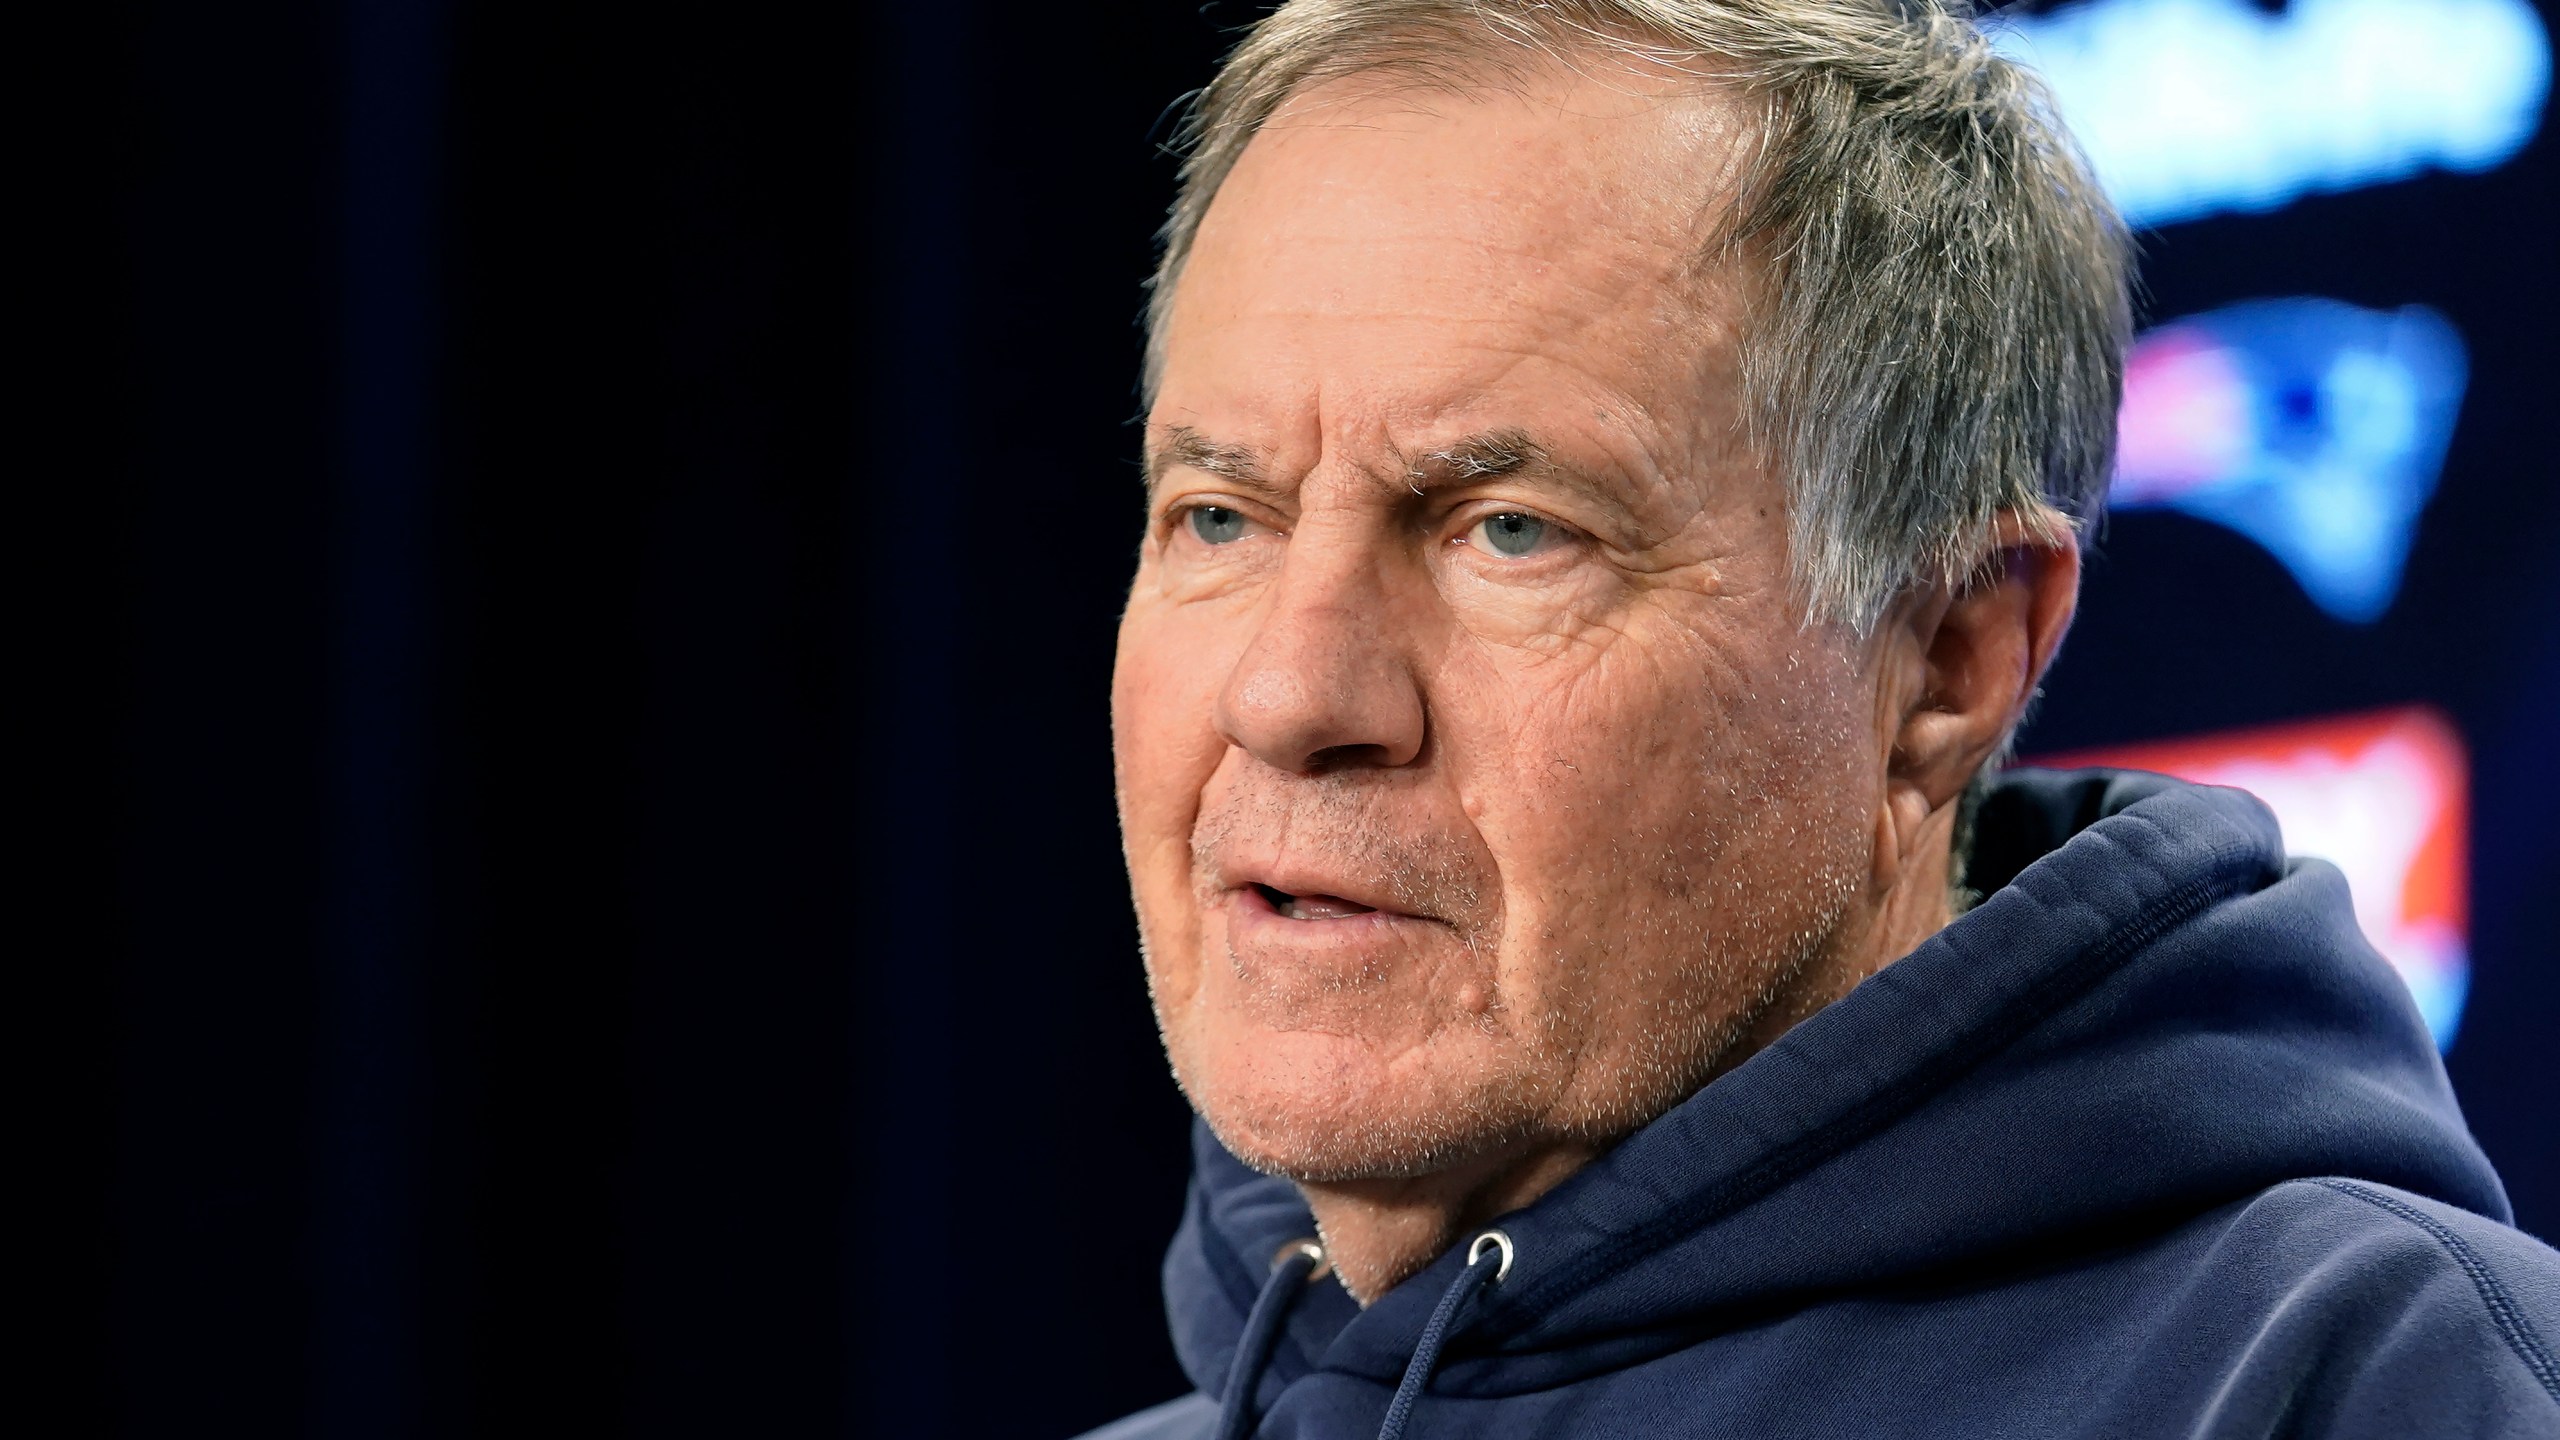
[1479, 779]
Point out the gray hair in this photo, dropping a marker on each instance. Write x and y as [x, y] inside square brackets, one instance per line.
[1940, 301]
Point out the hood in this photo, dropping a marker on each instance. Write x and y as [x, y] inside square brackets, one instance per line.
[2151, 1014]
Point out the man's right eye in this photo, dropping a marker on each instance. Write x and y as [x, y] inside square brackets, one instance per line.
[1216, 524]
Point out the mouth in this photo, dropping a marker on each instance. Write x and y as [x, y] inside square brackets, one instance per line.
[1290, 906]
[1297, 940]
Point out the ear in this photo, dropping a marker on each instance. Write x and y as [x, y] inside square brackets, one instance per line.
[1966, 665]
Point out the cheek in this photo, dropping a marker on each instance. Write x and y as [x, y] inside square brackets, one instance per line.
[1569, 766]
[1165, 747]
[1620, 796]
[1574, 757]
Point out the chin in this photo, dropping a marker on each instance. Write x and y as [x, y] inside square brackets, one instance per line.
[1324, 1108]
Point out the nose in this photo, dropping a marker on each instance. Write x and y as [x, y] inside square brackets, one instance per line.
[1326, 681]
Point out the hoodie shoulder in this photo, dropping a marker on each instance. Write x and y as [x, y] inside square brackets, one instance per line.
[2369, 1311]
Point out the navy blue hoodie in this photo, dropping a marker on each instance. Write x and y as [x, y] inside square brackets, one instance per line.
[2148, 1143]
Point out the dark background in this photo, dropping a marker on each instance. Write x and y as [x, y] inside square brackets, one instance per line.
[597, 535]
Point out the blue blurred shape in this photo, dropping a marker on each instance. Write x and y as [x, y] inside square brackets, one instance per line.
[2312, 426]
[2190, 107]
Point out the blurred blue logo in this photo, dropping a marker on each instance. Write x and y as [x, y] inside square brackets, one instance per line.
[2189, 107]
[2311, 426]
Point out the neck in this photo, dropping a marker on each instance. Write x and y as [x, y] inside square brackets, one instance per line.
[1377, 1232]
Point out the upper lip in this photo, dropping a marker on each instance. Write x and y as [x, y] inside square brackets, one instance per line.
[1308, 880]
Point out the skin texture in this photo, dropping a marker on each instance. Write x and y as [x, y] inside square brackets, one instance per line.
[1454, 865]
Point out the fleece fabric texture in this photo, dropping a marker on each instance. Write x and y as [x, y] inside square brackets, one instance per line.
[2148, 1143]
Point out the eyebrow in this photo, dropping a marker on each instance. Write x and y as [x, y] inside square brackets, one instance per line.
[1183, 446]
[1513, 452]
[1478, 457]
[1483, 457]
[1490, 455]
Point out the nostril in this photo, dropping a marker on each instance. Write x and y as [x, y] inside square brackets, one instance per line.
[1334, 757]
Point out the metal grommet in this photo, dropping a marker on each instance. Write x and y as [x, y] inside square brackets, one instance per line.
[1308, 1248]
[1498, 1241]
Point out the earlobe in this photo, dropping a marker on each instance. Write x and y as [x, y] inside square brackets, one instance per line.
[1899, 820]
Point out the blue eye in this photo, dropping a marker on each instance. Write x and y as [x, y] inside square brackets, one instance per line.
[1216, 524]
[1512, 534]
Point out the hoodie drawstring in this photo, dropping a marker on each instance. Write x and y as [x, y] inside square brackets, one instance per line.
[1291, 1269]
[1488, 1261]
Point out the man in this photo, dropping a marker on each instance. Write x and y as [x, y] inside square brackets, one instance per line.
[1615, 471]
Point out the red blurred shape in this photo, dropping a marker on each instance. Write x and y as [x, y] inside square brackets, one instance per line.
[2382, 795]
